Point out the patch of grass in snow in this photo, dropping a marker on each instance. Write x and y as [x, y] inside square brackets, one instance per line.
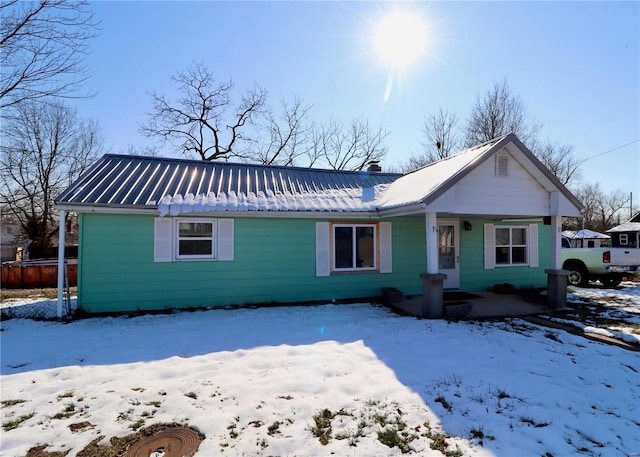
[8, 403]
[321, 427]
[443, 401]
[552, 336]
[39, 451]
[273, 429]
[385, 421]
[15, 423]
[439, 441]
[69, 410]
[477, 433]
[532, 422]
[391, 438]
[137, 424]
[52, 292]
[191, 395]
[68, 394]
[125, 415]
[448, 381]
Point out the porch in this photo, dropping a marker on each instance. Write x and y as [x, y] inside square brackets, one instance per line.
[477, 304]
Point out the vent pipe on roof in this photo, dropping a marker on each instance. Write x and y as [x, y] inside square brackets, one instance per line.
[374, 167]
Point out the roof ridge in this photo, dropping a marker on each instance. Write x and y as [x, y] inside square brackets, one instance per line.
[247, 164]
[463, 151]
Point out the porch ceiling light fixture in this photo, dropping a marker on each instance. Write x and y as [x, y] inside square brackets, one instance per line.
[467, 226]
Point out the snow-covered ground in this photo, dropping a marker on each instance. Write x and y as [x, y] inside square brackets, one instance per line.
[254, 381]
[610, 312]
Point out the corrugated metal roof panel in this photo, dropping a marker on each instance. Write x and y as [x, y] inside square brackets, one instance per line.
[134, 181]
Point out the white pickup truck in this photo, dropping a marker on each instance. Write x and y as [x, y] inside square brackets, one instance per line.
[585, 264]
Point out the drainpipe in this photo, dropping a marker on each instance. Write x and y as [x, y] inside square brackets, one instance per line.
[61, 230]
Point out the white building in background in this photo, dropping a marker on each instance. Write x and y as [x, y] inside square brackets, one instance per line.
[587, 239]
[10, 243]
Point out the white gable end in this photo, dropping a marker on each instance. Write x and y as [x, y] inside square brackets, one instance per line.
[502, 187]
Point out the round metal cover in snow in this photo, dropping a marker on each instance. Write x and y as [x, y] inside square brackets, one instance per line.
[171, 442]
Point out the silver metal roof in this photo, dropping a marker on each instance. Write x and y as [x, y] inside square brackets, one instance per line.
[142, 182]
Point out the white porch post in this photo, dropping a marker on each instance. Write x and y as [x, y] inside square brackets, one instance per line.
[431, 228]
[432, 281]
[556, 276]
[61, 230]
[556, 242]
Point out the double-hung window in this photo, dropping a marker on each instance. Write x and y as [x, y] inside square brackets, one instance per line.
[354, 247]
[511, 245]
[176, 239]
[195, 239]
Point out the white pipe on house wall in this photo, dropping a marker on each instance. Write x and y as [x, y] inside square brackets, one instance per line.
[61, 230]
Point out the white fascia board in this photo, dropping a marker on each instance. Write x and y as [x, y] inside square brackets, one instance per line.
[363, 215]
[104, 209]
[409, 210]
[360, 215]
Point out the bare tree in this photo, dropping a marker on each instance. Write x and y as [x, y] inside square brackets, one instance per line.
[440, 135]
[285, 138]
[146, 151]
[350, 148]
[204, 120]
[559, 159]
[602, 210]
[440, 140]
[498, 113]
[43, 45]
[44, 147]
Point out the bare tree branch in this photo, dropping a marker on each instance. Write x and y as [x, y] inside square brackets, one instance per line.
[204, 119]
[559, 159]
[45, 147]
[349, 148]
[498, 113]
[43, 45]
[286, 137]
[602, 211]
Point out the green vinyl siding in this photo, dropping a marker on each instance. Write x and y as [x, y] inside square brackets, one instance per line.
[274, 262]
[473, 275]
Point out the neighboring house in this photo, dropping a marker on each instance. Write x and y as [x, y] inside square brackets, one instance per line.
[625, 242]
[166, 233]
[586, 239]
[11, 244]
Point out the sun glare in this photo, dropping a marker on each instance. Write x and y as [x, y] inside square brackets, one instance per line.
[400, 39]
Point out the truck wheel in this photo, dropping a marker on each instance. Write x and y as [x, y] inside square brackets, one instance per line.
[610, 281]
[578, 275]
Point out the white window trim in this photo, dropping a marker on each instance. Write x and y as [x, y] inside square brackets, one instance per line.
[166, 240]
[624, 236]
[532, 246]
[375, 248]
[511, 246]
[213, 238]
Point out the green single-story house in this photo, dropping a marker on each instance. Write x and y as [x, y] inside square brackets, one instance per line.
[161, 233]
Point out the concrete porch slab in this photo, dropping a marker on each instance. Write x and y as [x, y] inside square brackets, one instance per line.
[488, 304]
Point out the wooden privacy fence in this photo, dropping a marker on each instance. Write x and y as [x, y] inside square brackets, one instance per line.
[36, 274]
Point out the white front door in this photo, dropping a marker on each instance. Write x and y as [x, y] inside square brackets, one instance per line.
[449, 252]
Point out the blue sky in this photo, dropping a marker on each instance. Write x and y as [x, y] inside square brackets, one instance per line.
[576, 65]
